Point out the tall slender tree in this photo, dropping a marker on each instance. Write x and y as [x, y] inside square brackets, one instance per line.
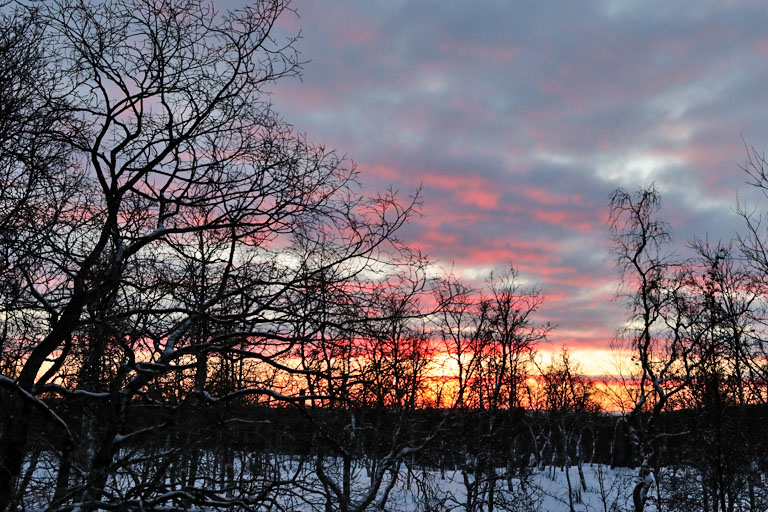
[663, 329]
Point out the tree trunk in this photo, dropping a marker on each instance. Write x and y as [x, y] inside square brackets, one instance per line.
[27, 477]
[12, 451]
[62, 478]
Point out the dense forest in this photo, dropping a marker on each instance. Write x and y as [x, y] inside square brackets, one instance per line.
[201, 309]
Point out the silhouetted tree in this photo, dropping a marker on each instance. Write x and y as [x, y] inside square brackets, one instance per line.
[665, 328]
[159, 221]
[489, 341]
[569, 400]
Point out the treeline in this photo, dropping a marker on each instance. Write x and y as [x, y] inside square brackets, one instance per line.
[267, 456]
[201, 308]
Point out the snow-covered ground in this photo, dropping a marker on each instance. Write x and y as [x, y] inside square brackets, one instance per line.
[554, 489]
[547, 489]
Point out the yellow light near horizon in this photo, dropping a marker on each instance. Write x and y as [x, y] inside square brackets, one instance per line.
[592, 362]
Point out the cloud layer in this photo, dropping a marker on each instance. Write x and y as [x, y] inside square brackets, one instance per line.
[519, 118]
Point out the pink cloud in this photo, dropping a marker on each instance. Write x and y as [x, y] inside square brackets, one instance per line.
[538, 256]
[381, 171]
[546, 197]
[570, 220]
[435, 239]
[437, 215]
[470, 190]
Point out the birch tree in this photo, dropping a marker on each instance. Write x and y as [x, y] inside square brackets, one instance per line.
[663, 328]
[171, 221]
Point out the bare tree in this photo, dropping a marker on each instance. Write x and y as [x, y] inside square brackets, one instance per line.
[463, 328]
[38, 194]
[753, 246]
[721, 389]
[664, 327]
[489, 342]
[514, 335]
[177, 218]
[370, 430]
[569, 400]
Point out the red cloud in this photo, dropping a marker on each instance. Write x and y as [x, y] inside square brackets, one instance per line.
[570, 220]
[544, 196]
[471, 190]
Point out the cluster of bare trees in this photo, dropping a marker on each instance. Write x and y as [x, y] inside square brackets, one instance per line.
[489, 341]
[169, 242]
[174, 257]
[696, 337]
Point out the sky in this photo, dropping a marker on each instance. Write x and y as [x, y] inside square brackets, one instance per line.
[518, 119]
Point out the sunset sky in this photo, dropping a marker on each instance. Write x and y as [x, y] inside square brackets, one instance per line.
[520, 118]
